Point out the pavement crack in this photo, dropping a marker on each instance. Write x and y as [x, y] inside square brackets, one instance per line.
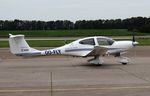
[136, 76]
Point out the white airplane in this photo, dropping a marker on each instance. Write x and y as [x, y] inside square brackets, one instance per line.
[96, 47]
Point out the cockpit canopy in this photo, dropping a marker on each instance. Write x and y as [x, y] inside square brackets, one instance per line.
[88, 41]
[104, 41]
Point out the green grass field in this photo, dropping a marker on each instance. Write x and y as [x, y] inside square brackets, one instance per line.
[57, 43]
[69, 33]
[73, 33]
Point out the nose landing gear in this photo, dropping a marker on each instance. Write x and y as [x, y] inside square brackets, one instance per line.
[123, 60]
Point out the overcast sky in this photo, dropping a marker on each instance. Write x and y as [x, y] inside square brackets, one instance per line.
[72, 9]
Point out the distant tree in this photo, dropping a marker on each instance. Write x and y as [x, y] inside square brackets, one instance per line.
[68, 24]
[145, 28]
[40, 25]
[133, 24]
[59, 24]
[118, 24]
[50, 25]
[1, 24]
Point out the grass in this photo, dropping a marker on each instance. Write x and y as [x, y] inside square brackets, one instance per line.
[57, 43]
[143, 42]
[72, 33]
[46, 43]
[39, 43]
[4, 44]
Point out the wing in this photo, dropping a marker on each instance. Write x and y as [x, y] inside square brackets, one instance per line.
[98, 51]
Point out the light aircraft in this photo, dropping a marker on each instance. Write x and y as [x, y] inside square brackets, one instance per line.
[95, 46]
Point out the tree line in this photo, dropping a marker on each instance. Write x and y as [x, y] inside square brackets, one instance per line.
[141, 24]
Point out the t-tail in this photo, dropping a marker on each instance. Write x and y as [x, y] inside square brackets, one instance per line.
[20, 47]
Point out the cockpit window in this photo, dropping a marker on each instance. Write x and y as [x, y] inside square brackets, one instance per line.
[105, 41]
[88, 42]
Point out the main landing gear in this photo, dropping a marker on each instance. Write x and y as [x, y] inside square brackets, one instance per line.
[96, 60]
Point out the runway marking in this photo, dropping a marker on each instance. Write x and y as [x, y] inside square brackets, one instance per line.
[70, 89]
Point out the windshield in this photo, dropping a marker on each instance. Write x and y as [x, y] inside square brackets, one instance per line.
[105, 41]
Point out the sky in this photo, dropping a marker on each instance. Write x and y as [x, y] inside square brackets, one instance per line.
[73, 10]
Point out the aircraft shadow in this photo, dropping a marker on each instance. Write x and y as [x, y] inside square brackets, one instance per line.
[96, 66]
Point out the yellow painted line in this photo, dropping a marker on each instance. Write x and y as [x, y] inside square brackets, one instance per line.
[69, 89]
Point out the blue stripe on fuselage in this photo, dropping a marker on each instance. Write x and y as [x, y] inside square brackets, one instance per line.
[84, 49]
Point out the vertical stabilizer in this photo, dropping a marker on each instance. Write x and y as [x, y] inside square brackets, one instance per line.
[18, 45]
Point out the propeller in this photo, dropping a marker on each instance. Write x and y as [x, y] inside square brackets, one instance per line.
[133, 39]
[134, 43]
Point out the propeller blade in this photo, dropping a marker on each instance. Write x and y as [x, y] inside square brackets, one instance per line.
[134, 43]
[133, 39]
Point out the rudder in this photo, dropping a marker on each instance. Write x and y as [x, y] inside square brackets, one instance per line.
[18, 44]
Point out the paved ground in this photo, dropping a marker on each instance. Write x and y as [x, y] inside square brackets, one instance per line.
[74, 76]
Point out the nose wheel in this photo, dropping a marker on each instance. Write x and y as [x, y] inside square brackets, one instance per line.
[123, 60]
